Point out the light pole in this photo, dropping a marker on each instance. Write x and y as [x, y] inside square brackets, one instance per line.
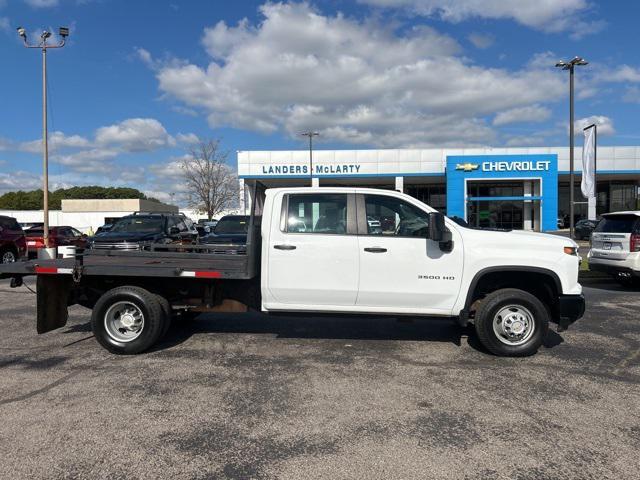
[310, 134]
[42, 44]
[570, 66]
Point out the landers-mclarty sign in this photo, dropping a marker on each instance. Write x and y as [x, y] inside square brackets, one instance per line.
[304, 169]
[516, 166]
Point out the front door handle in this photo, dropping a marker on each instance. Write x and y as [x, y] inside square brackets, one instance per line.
[375, 249]
[285, 247]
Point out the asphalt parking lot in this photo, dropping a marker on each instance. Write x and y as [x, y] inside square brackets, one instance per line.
[247, 396]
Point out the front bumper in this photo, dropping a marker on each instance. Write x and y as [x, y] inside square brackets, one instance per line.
[570, 309]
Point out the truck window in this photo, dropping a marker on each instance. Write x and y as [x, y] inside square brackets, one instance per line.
[391, 216]
[317, 213]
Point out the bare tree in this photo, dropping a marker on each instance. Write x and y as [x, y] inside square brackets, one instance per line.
[211, 183]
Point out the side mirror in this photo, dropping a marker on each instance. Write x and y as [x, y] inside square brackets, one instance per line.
[174, 231]
[436, 226]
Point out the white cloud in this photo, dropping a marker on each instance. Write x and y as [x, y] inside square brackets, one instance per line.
[545, 15]
[88, 161]
[526, 141]
[623, 73]
[220, 40]
[42, 3]
[530, 113]
[19, 180]
[5, 144]
[135, 135]
[605, 124]
[631, 95]
[57, 141]
[355, 81]
[481, 40]
[187, 138]
[4, 25]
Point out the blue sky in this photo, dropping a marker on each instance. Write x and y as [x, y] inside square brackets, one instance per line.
[140, 81]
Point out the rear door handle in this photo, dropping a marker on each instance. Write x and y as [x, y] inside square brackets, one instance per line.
[284, 247]
[375, 249]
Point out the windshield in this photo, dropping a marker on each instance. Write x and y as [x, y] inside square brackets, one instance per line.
[232, 225]
[139, 225]
[618, 224]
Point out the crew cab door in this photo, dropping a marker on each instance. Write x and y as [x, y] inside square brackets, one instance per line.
[313, 251]
[399, 268]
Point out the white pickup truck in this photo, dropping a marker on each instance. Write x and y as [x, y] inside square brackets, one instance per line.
[329, 250]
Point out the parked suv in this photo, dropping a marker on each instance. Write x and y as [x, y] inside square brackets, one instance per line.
[130, 232]
[615, 247]
[12, 243]
[230, 230]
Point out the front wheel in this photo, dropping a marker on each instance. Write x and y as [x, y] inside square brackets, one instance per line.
[511, 323]
[8, 256]
[128, 320]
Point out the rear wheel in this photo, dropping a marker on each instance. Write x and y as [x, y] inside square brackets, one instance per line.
[627, 281]
[8, 256]
[166, 309]
[128, 320]
[511, 323]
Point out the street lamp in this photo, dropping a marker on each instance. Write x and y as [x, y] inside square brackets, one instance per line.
[570, 65]
[310, 134]
[44, 46]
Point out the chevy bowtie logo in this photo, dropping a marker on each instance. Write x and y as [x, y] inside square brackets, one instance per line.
[467, 167]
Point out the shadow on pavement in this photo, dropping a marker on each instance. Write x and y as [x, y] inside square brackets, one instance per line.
[610, 285]
[331, 328]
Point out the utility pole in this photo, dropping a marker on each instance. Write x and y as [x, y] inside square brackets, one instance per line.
[42, 44]
[570, 66]
[310, 134]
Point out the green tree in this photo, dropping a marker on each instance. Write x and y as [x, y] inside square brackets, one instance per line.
[32, 200]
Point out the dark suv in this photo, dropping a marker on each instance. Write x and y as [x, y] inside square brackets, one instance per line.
[133, 231]
[13, 246]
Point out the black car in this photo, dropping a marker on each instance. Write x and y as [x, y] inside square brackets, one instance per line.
[230, 230]
[584, 228]
[133, 231]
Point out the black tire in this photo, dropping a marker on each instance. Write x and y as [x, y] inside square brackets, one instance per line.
[166, 309]
[629, 282]
[147, 303]
[8, 255]
[491, 306]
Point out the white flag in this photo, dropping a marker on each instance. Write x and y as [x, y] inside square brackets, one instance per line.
[588, 185]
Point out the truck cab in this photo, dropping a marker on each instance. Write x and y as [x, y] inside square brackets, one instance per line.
[320, 252]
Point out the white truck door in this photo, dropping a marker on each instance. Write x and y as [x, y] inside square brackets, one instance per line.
[400, 268]
[313, 252]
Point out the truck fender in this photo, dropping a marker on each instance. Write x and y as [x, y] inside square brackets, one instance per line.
[508, 268]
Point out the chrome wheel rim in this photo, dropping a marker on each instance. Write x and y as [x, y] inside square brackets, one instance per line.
[513, 325]
[124, 321]
[8, 257]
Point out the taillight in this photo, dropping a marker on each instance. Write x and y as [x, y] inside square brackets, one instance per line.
[635, 242]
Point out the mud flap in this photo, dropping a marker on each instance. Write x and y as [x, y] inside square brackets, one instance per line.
[53, 293]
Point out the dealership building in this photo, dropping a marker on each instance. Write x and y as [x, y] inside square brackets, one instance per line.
[516, 188]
